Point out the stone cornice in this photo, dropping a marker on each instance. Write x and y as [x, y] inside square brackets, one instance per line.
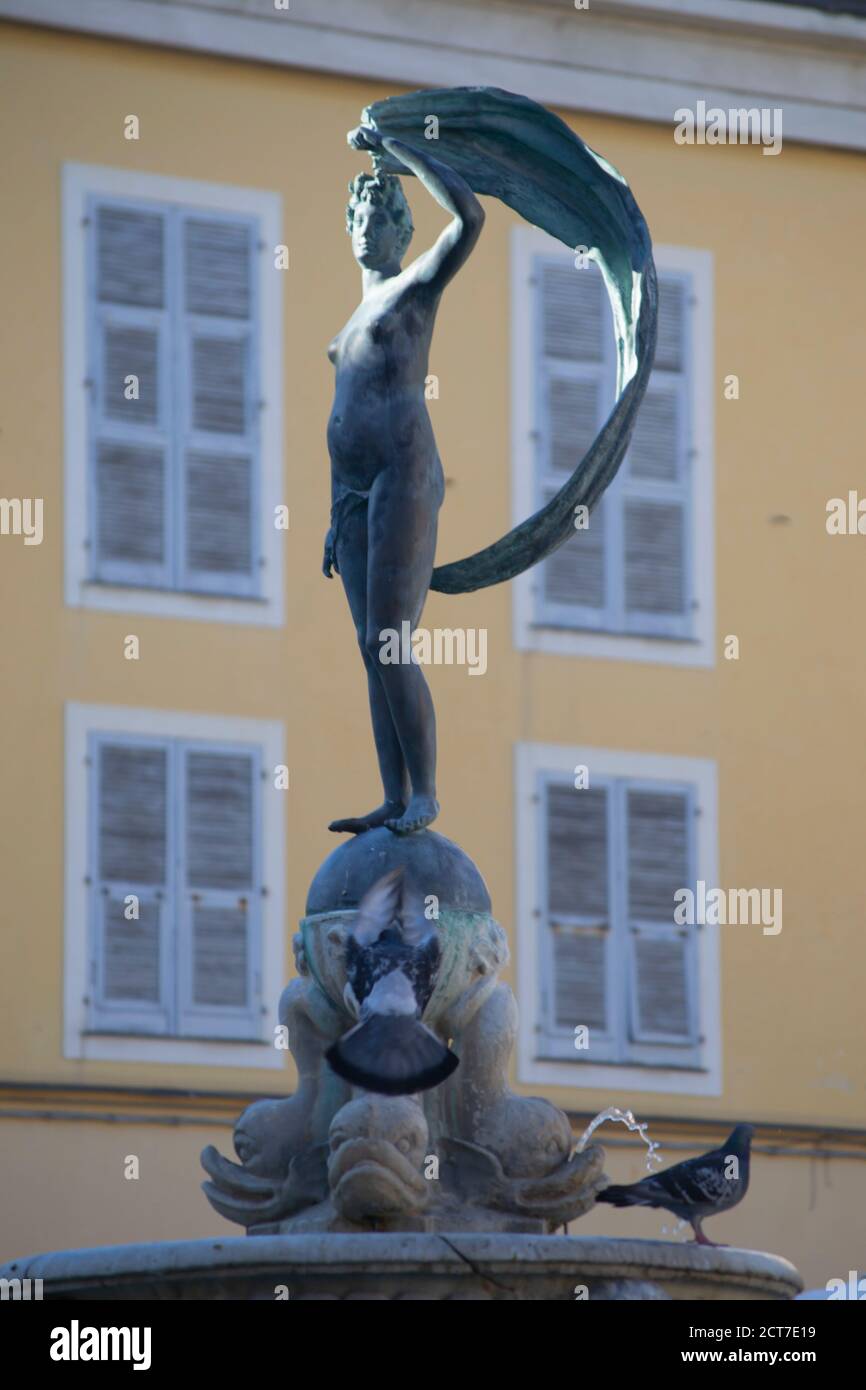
[636, 58]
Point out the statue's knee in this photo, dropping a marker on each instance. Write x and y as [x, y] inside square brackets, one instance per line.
[371, 644]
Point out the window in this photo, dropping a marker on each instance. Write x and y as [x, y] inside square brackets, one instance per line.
[176, 888]
[172, 359]
[170, 867]
[598, 890]
[634, 583]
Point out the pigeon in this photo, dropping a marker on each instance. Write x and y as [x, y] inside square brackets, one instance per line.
[695, 1189]
[392, 960]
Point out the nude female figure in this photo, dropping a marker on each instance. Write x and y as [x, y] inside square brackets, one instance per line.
[386, 478]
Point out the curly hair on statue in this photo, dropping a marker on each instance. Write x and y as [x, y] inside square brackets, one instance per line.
[385, 190]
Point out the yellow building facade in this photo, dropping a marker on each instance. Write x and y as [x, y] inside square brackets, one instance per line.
[753, 741]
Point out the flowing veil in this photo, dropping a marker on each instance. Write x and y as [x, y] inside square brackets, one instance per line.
[515, 150]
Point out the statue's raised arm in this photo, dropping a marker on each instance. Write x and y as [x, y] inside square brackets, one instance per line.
[454, 245]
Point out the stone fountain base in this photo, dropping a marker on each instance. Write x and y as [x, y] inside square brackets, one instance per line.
[410, 1266]
[452, 1194]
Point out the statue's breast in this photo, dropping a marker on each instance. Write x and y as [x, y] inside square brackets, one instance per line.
[385, 326]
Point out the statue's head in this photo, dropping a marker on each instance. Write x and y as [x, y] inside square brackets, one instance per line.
[378, 219]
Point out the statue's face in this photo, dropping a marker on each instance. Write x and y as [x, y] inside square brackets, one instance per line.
[374, 235]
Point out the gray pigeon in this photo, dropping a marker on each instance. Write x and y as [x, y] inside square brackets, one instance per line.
[392, 960]
[696, 1188]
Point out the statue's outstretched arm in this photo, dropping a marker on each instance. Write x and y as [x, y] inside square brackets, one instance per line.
[437, 266]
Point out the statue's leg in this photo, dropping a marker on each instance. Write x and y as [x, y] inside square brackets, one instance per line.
[352, 563]
[401, 525]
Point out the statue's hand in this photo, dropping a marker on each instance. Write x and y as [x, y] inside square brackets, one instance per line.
[329, 559]
[365, 137]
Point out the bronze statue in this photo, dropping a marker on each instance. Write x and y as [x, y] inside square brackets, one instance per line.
[387, 480]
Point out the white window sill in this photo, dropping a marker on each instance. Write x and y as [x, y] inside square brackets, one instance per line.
[171, 603]
[192, 1052]
[611, 646]
[610, 1077]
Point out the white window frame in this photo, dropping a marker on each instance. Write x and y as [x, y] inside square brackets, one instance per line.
[531, 634]
[82, 182]
[532, 762]
[81, 721]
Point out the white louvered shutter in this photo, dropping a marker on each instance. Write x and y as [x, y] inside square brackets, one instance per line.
[630, 570]
[574, 397]
[654, 492]
[221, 891]
[576, 917]
[130, 421]
[131, 969]
[219, 487]
[662, 956]
[574, 575]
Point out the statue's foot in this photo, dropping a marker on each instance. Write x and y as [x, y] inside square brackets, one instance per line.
[420, 812]
[356, 825]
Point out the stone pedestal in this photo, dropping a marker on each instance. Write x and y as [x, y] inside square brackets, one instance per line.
[467, 1155]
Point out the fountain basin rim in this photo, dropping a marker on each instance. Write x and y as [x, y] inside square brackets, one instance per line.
[727, 1272]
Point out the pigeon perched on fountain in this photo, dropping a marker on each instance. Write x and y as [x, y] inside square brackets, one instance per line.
[695, 1189]
[392, 961]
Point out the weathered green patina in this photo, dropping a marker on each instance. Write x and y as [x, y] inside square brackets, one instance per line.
[510, 148]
